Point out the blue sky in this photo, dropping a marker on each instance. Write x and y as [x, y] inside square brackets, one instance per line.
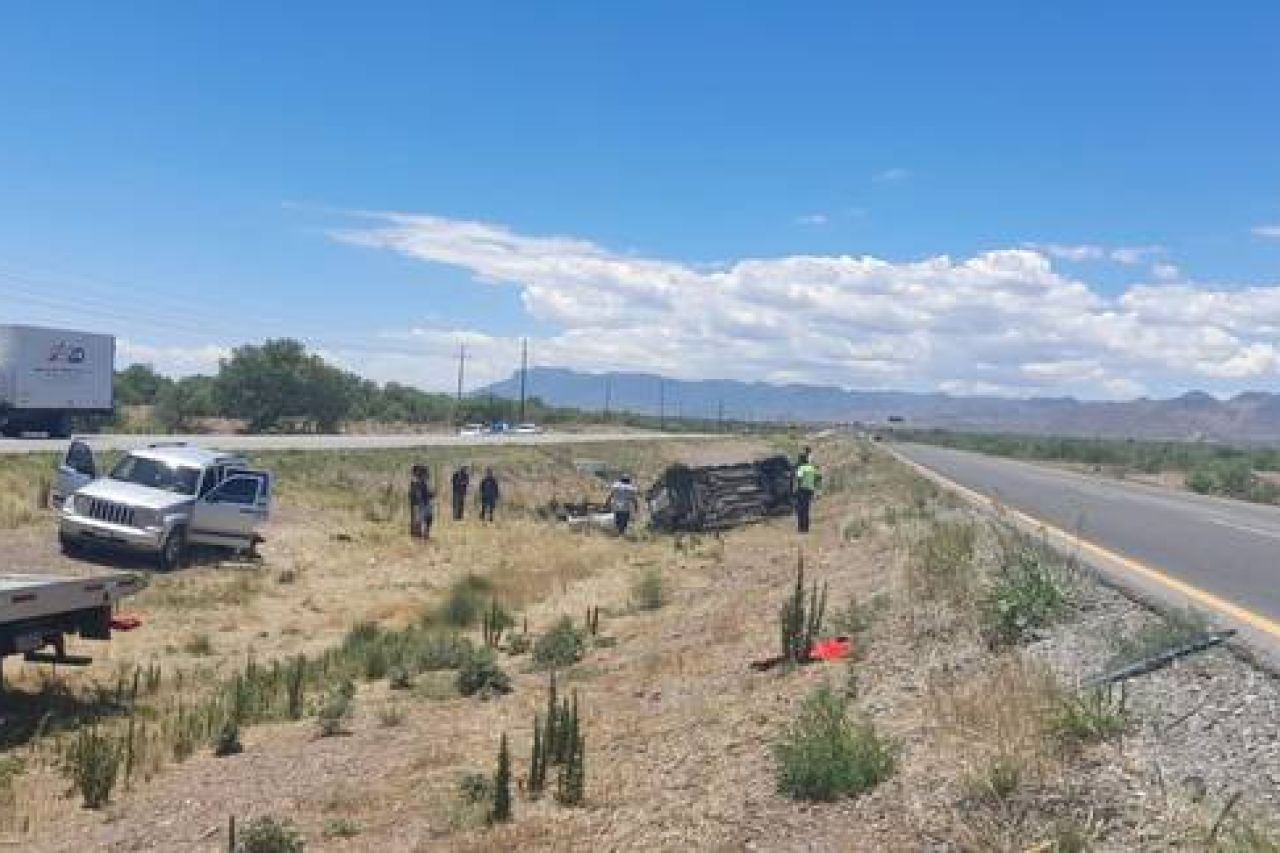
[194, 175]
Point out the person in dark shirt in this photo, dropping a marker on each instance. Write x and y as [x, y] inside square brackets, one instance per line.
[420, 500]
[488, 495]
[461, 482]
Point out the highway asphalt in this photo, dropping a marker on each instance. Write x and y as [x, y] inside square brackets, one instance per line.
[1228, 549]
[335, 442]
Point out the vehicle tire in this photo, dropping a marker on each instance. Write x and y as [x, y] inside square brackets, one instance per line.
[60, 427]
[70, 546]
[174, 550]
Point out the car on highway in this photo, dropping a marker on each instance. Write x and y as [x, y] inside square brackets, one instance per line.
[528, 429]
[473, 430]
[160, 500]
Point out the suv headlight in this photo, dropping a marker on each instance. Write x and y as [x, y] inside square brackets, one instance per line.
[147, 517]
[80, 503]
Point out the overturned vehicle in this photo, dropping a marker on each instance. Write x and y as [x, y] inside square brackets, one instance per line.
[716, 497]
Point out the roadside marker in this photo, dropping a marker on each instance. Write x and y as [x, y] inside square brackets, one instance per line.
[1234, 611]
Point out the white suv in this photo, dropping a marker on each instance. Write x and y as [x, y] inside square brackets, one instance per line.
[159, 499]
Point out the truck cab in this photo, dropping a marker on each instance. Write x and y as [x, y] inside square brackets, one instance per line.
[159, 500]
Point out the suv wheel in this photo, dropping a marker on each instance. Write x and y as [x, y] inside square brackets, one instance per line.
[173, 551]
[70, 546]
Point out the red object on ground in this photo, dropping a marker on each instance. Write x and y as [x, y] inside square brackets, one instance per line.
[125, 623]
[836, 648]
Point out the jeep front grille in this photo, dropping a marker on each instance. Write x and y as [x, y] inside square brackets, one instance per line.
[112, 513]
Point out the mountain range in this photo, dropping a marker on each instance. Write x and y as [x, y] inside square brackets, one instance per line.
[1250, 416]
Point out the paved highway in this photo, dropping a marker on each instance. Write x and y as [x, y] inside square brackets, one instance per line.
[1228, 549]
[336, 442]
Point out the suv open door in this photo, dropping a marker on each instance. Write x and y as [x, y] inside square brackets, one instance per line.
[77, 468]
[231, 513]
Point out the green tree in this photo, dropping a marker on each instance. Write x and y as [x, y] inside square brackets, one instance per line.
[139, 385]
[278, 381]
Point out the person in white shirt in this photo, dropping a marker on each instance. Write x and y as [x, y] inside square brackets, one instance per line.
[623, 502]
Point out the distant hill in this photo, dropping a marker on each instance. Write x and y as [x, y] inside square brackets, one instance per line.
[1251, 416]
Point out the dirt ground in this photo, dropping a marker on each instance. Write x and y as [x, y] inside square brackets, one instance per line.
[679, 730]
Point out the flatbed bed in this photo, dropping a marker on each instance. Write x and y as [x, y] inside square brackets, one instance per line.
[40, 610]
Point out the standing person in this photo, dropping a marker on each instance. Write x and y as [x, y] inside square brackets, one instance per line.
[461, 482]
[807, 481]
[623, 500]
[488, 495]
[420, 499]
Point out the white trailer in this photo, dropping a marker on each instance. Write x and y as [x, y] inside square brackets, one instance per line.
[39, 611]
[47, 376]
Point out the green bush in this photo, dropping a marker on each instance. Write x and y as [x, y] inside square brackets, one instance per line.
[268, 835]
[228, 740]
[468, 599]
[93, 763]
[333, 713]
[941, 563]
[824, 755]
[649, 592]
[480, 675]
[560, 647]
[433, 651]
[1026, 593]
[1092, 716]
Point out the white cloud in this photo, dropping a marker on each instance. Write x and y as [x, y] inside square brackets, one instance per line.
[1165, 271]
[1270, 232]
[171, 360]
[812, 219]
[1005, 321]
[1081, 253]
[891, 175]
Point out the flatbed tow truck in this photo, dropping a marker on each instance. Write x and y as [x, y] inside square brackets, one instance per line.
[38, 612]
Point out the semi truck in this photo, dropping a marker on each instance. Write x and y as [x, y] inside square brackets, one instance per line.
[49, 376]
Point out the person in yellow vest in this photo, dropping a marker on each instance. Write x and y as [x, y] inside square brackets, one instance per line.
[808, 479]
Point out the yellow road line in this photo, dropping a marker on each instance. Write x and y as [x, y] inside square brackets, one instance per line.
[1233, 611]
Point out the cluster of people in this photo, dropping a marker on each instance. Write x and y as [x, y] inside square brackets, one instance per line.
[422, 498]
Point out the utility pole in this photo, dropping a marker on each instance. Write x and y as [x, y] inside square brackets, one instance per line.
[462, 361]
[720, 416]
[662, 403]
[524, 371]
[608, 393]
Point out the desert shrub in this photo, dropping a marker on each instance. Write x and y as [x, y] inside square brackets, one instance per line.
[481, 676]
[340, 828]
[468, 599]
[998, 780]
[561, 646]
[333, 713]
[228, 740]
[475, 788]
[399, 679]
[93, 764]
[857, 617]
[941, 563]
[198, 645]
[519, 644]
[390, 715]
[1026, 592]
[496, 620]
[824, 755]
[649, 591]
[1091, 716]
[268, 835]
[800, 619]
[433, 651]
[501, 811]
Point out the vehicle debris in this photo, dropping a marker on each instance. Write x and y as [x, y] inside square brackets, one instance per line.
[1162, 659]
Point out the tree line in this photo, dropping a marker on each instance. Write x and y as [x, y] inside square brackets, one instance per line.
[279, 386]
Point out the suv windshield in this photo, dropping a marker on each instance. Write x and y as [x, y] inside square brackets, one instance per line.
[156, 475]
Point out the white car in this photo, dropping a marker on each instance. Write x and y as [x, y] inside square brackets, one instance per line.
[159, 499]
[473, 430]
[528, 429]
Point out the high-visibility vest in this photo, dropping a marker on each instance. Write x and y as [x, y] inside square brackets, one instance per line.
[807, 477]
